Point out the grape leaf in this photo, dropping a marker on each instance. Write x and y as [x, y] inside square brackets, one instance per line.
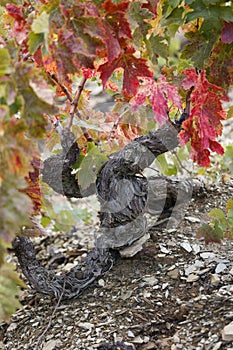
[199, 48]
[41, 89]
[14, 207]
[79, 38]
[9, 282]
[151, 5]
[217, 214]
[116, 27]
[139, 16]
[220, 63]
[204, 125]
[35, 41]
[40, 26]
[116, 16]
[210, 234]
[90, 167]
[33, 189]
[159, 93]
[172, 17]
[4, 62]
[133, 69]
[16, 150]
[209, 11]
[15, 12]
[229, 205]
[157, 45]
[19, 31]
[37, 98]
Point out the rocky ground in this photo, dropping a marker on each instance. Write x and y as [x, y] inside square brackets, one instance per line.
[177, 293]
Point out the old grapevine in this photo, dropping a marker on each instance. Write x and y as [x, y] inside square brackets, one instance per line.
[49, 50]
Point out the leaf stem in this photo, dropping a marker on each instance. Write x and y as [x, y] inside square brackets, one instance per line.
[116, 123]
[74, 103]
[54, 78]
[182, 167]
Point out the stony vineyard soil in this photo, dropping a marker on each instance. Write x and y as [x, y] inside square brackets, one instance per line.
[177, 293]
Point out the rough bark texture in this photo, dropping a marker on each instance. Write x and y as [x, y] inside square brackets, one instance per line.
[69, 285]
[125, 195]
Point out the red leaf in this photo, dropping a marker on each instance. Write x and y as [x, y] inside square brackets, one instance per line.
[203, 158]
[186, 132]
[133, 69]
[117, 28]
[170, 91]
[204, 124]
[112, 43]
[227, 33]
[88, 73]
[159, 93]
[38, 57]
[19, 31]
[110, 7]
[118, 21]
[191, 79]
[151, 5]
[15, 12]
[160, 106]
[216, 147]
[33, 190]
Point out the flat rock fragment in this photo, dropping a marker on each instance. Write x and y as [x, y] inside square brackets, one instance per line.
[227, 332]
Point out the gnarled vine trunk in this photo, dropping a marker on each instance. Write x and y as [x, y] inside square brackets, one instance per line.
[125, 195]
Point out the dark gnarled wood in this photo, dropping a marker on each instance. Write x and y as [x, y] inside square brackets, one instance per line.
[125, 194]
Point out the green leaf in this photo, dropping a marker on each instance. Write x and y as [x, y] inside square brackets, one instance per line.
[219, 228]
[157, 45]
[40, 25]
[200, 10]
[15, 208]
[199, 49]
[210, 234]
[169, 6]
[229, 204]
[230, 112]
[90, 167]
[137, 16]
[5, 60]
[219, 219]
[230, 218]
[228, 158]
[165, 167]
[175, 17]
[35, 41]
[9, 282]
[216, 214]
[3, 247]
[45, 221]
[86, 125]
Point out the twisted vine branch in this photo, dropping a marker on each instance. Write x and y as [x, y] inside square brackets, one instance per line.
[125, 194]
